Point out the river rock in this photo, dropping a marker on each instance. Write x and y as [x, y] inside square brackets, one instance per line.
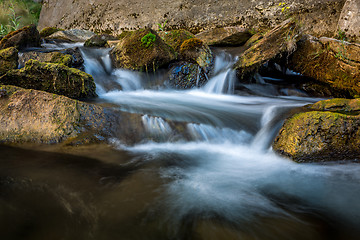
[47, 57]
[196, 51]
[72, 35]
[142, 50]
[40, 117]
[329, 131]
[113, 16]
[8, 59]
[331, 61]
[53, 78]
[349, 21]
[225, 36]
[45, 32]
[185, 75]
[99, 40]
[175, 38]
[24, 37]
[276, 44]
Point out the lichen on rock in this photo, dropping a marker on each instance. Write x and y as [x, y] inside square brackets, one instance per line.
[8, 59]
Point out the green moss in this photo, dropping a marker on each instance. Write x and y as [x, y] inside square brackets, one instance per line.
[45, 32]
[191, 45]
[175, 38]
[8, 59]
[148, 39]
[65, 59]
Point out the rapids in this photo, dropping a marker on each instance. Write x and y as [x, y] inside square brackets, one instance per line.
[220, 180]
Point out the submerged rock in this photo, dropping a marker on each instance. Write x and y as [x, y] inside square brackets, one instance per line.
[40, 117]
[185, 75]
[53, 78]
[8, 59]
[225, 36]
[72, 35]
[329, 131]
[24, 37]
[331, 61]
[142, 50]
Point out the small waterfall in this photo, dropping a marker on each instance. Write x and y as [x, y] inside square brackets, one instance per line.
[157, 127]
[129, 80]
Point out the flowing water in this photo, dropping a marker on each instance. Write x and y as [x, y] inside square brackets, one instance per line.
[219, 179]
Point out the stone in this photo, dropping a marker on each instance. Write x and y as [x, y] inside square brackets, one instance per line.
[225, 36]
[331, 61]
[23, 38]
[33, 116]
[72, 35]
[8, 59]
[47, 57]
[175, 38]
[330, 130]
[349, 22]
[45, 32]
[99, 40]
[185, 75]
[53, 78]
[142, 50]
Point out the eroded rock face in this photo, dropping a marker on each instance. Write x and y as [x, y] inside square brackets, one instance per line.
[40, 117]
[142, 50]
[114, 16]
[329, 131]
[53, 78]
[24, 37]
[331, 61]
[349, 21]
[8, 59]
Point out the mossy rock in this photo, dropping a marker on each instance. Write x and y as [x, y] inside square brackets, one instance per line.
[185, 75]
[196, 51]
[28, 115]
[225, 36]
[53, 78]
[330, 61]
[277, 43]
[24, 37]
[99, 40]
[49, 57]
[45, 32]
[8, 59]
[329, 131]
[142, 50]
[175, 38]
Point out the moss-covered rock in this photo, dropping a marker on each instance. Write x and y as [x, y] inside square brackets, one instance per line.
[46, 57]
[275, 44]
[53, 78]
[185, 75]
[196, 51]
[24, 37]
[45, 32]
[41, 117]
[225, 36]
[142, 50]
[331, 61]
[175, 38]
[329, 130]
[8, 59]
[99, 40]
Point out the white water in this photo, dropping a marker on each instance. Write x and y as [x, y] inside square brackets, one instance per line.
[227, 168]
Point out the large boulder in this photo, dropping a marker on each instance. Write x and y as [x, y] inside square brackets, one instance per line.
[40, 117]
[72, 35]
[349, 22]
[114, 16]
[330, 61]
[24, 37]
[8, 59]
[330, 130]
[53, 78]
[142, 50]
[225, 36]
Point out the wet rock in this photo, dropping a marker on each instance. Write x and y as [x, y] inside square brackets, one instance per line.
[72, 35]
[278, 43]
[349, 22]
[99, 40]
[40, 117]
[48, 31]
[225, 36]
[53, 78]
[175, 38]
[329, 131]
[46, 57]
[8, 59]
[334, 62]
[185, 75]
[196, 51]
[142, 50]
[24, 37]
